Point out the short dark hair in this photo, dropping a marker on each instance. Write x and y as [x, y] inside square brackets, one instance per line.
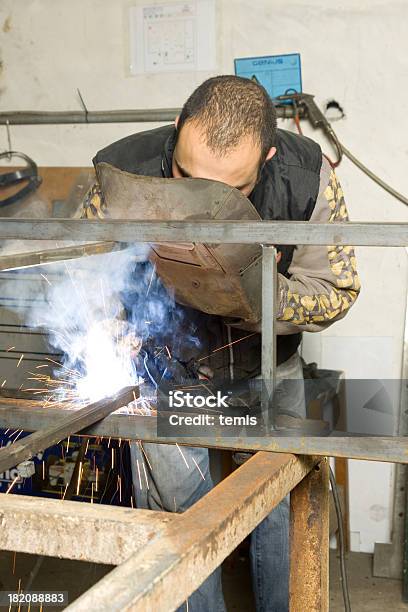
[228, 108]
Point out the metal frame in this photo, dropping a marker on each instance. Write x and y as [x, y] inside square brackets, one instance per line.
[30, 416]
[190, 546]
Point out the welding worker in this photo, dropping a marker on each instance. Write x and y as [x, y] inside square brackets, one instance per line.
[227, 132]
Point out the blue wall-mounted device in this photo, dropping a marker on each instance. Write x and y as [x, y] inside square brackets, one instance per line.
[277, 73]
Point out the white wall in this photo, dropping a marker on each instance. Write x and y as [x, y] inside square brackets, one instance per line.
[354, 52]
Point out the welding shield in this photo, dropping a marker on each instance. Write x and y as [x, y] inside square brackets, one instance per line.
[219, 279]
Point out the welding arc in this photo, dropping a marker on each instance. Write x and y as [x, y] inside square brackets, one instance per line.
[71, 422]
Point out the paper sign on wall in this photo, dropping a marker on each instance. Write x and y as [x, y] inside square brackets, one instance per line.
[172, 37]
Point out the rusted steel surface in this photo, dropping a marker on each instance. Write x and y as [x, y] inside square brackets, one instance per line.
[29, 415]
[309, 542]
[176, 562]
[85, 532]
[70, 422]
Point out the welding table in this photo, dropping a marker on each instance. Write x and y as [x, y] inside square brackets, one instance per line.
[162, 558]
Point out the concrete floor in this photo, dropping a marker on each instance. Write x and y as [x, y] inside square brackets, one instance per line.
[367, 594]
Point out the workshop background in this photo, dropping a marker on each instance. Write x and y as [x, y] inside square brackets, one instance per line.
[50, 49]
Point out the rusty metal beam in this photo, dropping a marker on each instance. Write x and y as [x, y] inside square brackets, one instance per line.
[85, 532]
[188, 550]
[67, 423]
[30, 415]
[309, 542]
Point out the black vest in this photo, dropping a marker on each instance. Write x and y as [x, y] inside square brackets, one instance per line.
[287, 190]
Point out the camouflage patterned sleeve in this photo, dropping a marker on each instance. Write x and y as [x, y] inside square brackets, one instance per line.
[323, 283]
[93, 205]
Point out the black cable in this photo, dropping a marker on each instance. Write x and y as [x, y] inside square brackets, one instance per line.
[373, 176]
[343, 569]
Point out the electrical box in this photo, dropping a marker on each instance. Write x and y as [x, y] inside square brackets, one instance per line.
[277, 73]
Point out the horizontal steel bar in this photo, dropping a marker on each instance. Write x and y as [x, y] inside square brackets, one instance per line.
[186, 552]
[69, 422]
[141, 115]
[79, 531]
[16, 260]
[23, 414]
[238, 232]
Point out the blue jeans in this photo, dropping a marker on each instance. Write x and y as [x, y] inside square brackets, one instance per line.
[180, 476]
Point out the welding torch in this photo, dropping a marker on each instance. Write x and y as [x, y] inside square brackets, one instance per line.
[304, 105]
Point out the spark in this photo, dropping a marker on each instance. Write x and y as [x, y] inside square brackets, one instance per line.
[19, 589]
[198, 468]
[113, 458]
[120, 489]
[46, 279]
[138, 471]
[79, 477]
[144, 453]
[17, 437]
[21, 359]
[145, 475]
[151, 280]
[66, 487]
[3, 383]
[43, 470]
[61, 365]
[12, 484]
[92, 492]
[227, 345]
[96, 479]
[10, 348]
[182, 454]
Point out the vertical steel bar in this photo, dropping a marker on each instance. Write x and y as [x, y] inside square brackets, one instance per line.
[269, 283]
[309, 542]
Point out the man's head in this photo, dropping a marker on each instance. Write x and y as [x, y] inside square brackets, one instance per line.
[225, 132]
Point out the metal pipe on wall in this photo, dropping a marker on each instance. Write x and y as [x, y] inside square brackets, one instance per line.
[154, 115]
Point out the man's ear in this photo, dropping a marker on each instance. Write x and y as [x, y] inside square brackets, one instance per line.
[270, 154]
[176, 121]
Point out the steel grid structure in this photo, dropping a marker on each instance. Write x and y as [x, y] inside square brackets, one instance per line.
[185, 549]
